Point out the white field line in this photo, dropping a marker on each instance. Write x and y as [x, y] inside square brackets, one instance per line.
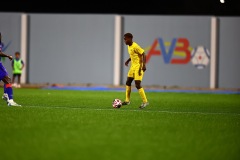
[140, 110]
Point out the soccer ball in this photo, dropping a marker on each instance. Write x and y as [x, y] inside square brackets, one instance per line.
[117, 103]
[200, 57]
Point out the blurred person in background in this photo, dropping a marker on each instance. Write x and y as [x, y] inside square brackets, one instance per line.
[17, 67]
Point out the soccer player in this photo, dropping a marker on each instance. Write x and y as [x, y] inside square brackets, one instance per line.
[136, 71]
[8, 91]
[17, 66]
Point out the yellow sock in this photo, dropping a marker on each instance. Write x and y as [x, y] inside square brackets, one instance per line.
[128, 92]
[142, 94]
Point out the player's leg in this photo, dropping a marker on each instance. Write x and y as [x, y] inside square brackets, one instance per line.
[9, 91]
[3, 73]
[5, 95]
[7, 88]
[138, 80]
[130, 78]
[19, 81]
[13, 80]
[128, 90]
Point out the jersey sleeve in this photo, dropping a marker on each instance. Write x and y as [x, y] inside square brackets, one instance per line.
[139, 49]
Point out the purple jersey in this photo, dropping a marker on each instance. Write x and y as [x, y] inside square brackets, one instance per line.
[3, 71]
[1, 46]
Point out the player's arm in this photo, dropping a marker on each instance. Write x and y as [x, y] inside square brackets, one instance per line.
[144, 62]
[127, 61]
[5, 55]
[141, 64]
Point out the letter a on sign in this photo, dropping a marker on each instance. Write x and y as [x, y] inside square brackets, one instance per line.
[167, 55]
[153, 51]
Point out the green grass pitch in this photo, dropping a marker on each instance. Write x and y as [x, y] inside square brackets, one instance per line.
[83, 125]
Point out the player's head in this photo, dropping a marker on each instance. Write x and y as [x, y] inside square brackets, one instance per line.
[17, 54]
[128, 38]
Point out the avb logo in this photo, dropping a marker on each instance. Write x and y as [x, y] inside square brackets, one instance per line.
[178, 51]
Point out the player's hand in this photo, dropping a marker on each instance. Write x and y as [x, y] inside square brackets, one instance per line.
[144, 68]
[10, 57]
[126, 63]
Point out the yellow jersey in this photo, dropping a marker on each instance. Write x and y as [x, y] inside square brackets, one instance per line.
[135, 53]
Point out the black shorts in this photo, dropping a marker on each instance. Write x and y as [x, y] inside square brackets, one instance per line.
[17, 74]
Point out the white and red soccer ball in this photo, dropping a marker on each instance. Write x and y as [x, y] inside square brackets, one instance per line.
[200, 57]
[117, 103]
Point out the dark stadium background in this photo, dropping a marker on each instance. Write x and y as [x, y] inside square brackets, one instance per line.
[154, 7]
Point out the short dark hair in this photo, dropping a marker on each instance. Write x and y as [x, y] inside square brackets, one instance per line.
[17, 53]
[129, 35]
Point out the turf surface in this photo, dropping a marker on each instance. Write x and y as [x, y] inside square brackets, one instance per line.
[83, 125]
